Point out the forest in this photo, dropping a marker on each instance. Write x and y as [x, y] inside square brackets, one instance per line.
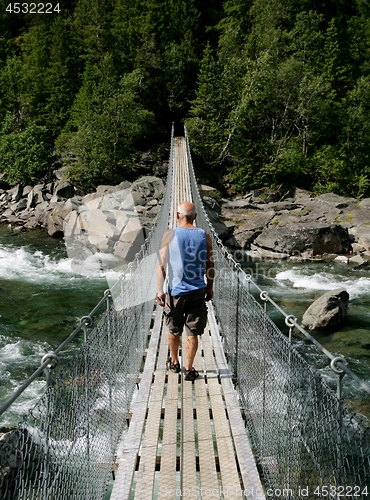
[271, 92]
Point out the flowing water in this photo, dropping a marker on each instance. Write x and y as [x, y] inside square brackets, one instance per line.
[42, 299]
[294, 286]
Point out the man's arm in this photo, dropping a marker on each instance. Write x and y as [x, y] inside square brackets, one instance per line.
[162, 264]
[210, 269]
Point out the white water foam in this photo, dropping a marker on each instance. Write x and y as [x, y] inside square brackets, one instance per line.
[22, 264]
[324, 281]
[19, 353]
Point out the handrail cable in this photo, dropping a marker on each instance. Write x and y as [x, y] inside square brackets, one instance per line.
[290, 320]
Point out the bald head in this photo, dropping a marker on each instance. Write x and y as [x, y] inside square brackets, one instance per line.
[186, 210]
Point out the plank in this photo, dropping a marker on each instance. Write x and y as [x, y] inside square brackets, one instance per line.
[145, 476]
[207, 460]
[167, 476]
[127, 461]
[231, 486]
[188, 471]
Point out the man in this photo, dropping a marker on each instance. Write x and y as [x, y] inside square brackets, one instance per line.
[186, 252]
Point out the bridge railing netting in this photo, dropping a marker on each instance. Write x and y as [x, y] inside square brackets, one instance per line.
[307, 444]
[66, 446]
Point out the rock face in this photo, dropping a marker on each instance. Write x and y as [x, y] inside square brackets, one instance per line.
[296, 225]
[53, 205]
[328, 311]
[108, 224]
[297, 238]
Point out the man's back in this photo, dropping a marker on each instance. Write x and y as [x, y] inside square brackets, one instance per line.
[187, 258]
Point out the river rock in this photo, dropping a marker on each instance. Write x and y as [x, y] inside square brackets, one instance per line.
[297, 238]
[362, 235]
[103, 190]
[358, 261]
[61, 173]
[55, 223]
[328, 311]
[64, 190]
[108, 224]
[262, 253]
[298, 222]
[148, 188]
[366, 255]
[16, 193]
[342, 259]
[26, 191]
[365, 203]
[130, 240]
[35, 196]
[242, 240]
[19, 205]
[265, 195]
[224, 228]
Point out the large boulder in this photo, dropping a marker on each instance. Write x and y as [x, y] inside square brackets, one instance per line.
[64, 190]
[108, 224]
[297, 238]
[147, 188]
[361, 233]
[15, 193]
[328, 311]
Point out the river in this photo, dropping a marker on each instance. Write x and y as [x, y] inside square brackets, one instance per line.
[42, 299]
[294, 286]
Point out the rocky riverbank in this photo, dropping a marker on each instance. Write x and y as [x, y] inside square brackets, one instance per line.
[296, 225]
[263, 224]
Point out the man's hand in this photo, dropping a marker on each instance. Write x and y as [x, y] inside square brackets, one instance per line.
[209, 294]
[160, 299]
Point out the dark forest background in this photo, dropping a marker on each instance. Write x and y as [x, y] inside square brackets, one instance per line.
[272, 92]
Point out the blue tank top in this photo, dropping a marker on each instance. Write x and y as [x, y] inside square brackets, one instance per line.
[186, 263]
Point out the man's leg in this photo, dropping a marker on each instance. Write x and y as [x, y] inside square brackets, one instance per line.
[174, 343]
[191, 350]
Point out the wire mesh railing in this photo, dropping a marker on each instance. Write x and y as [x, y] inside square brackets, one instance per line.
[65, 446]
[307, 443]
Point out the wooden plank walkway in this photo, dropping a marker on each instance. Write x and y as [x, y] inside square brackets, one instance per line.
[186, 439]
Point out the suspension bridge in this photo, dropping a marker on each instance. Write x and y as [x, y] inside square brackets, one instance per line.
[258, 423]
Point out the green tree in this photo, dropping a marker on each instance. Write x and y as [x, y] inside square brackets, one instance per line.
[11, 89]
[107, 120]
[24, 154]
[206, 124]
[50, 74]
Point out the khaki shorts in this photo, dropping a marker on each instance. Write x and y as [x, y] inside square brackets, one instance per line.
[189, 311]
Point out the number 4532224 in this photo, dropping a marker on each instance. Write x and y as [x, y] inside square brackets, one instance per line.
[33, 8]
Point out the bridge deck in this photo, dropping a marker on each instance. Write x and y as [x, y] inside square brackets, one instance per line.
[186, 439]
[184, 436]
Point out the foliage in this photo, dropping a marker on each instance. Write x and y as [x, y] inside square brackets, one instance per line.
[24, 154]
[271, 91]
[106, 121]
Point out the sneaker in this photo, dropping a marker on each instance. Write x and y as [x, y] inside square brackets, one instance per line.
[175, 368]
[191, 374]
